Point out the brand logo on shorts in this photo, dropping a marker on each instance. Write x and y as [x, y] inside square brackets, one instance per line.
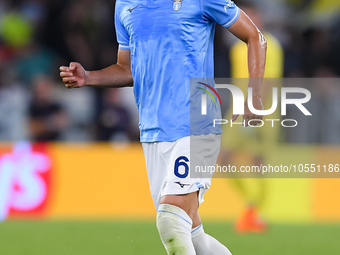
[182, 184]
[177, 5]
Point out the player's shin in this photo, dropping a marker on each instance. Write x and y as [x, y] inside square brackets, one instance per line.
[174, 227]
[205, 244]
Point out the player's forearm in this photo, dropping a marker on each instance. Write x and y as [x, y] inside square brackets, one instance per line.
[257, 48]
[114, 76]
[246, 30]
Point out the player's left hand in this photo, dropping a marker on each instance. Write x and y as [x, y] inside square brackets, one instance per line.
[249, 117]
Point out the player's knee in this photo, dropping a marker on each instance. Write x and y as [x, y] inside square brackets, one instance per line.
[171, 217]
[187, 202]
[174, 227]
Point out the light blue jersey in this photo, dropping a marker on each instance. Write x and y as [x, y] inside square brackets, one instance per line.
[171, 42]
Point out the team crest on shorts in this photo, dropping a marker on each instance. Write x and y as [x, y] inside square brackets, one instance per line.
[177, 5]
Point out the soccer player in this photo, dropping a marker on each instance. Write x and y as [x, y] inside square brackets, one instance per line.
[162, 45]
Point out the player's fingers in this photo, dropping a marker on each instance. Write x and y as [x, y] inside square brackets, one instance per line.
[73, 65]
[254, 122]
[64, 69]
[66, 74]
[69, 80]
[235, 116]
[249, 120]
[258, 119]
[71, 85]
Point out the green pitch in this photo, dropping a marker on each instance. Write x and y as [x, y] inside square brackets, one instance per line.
[139, 238]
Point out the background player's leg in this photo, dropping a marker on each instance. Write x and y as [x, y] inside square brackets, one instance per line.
[253, 192]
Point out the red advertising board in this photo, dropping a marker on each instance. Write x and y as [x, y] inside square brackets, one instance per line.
[24, 180]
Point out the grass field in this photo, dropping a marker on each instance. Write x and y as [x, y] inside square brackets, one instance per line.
[139, 238]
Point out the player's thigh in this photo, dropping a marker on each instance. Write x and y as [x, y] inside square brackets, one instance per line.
[184, 187]
[156, 165]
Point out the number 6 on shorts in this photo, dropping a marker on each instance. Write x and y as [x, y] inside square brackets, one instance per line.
[181, 161]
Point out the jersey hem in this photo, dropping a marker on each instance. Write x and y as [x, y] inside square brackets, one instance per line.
[166, 139]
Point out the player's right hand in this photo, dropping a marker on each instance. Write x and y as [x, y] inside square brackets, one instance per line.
[74, 75]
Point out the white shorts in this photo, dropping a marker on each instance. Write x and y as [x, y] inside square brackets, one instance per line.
[168, 165]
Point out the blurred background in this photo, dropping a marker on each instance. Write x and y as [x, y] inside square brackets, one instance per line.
[72, 173]
[38, 36]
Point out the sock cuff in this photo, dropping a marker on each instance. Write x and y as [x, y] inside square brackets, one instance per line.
[196, 231]
[176, 211]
